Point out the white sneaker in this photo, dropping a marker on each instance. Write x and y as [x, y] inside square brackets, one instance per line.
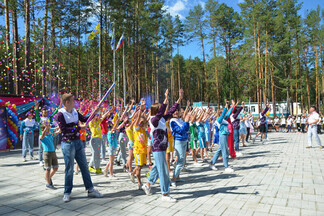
[41, 163]
[105, 173]
[168, 198]
[253, 140]
[239, 154]
[76, 172]
[113, 177]
[147, 189]
[94, 194]
[184, 169]
[24, 160]
[173, 184]
[229, 170]
[66, 198]
[212, 167]
[132, 178]
[139, 187]
[197, 164]
[264, 142]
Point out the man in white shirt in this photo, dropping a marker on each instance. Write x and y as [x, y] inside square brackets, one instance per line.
[313, 119]
[298, 123]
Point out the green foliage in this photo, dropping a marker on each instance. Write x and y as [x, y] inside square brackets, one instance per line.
[264, 51]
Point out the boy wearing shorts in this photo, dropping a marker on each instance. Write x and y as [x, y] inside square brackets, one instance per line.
[50, 159]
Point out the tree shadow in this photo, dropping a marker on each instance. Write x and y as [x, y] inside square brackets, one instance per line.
[205, 178]
[225, 190]
[252, 167]
[20, 164]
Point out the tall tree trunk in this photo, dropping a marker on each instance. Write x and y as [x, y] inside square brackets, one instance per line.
[256, 63]
[100, 44]
[179, 78]
[298, 80]
[172, 82]
[137, 52]
[105, 50]
[44, 68]
[317, 79]
[265, 70]
[205, 95]
[216, 68]
[53, 51]
[27, 73]
[273, 92]
[10, 85]
[322, 63]
[307, 80]
[157, 72]
[35, 84]
[15, 50]
[70, 65]
[260, 64]
[145, 74]
[152, 77]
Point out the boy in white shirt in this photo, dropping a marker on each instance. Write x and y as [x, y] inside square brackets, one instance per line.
[276, 123]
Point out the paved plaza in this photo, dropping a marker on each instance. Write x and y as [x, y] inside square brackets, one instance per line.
[279, 178]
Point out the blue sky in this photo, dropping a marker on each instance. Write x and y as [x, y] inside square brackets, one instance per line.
[182, 7]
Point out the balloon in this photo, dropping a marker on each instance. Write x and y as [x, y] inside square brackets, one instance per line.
[12, 125]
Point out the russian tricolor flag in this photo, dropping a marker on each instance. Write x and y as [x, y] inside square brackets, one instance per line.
[120, 42]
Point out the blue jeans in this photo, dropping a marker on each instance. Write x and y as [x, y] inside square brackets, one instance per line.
[28, 141]
[160, 170]
[74, 150]
[312, 131]
[180, 147]
[237, 139]
[104, 143]
[222, 149]
[266, 133]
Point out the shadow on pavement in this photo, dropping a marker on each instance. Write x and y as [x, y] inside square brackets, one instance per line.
[225, 190]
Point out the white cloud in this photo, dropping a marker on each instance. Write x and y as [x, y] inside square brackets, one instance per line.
[203, 4]
[241, 1]
[176, 8]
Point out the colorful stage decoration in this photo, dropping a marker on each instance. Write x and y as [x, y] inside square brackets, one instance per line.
[12, 122]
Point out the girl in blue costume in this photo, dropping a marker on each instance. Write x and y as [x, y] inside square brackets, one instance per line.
[222, 124]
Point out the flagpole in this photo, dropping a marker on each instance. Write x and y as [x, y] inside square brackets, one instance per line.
[124, 78]
[100, 66]
[114, 73]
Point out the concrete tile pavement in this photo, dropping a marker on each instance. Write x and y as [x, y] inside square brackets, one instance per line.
[278, 178]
